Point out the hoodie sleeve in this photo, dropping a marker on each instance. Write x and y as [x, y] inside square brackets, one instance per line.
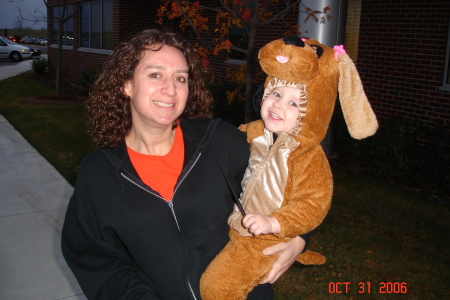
[102, 268]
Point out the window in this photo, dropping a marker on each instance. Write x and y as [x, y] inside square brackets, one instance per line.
[97, 25]
[446, 81]
[67, 32]
[239, 36]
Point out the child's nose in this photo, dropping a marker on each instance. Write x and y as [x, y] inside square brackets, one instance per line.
[277, 103]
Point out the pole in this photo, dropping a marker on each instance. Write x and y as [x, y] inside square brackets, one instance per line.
[331, 33]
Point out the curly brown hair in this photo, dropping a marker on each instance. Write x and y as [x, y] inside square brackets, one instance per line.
[108, 108]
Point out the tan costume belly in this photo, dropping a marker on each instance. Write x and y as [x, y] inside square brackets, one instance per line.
[265, 178]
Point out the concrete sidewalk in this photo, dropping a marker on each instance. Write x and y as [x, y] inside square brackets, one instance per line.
[33, 201]
[8, 69]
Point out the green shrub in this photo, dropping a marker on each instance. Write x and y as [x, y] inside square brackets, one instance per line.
[437, 156]
[88, 77]
[39, 65]
[403, 149]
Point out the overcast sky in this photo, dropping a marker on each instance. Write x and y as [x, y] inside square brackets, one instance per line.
[8, 12]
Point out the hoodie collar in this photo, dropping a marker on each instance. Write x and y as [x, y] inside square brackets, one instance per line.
[196, 135]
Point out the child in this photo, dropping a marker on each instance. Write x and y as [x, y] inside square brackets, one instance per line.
[287, 187]
[263, 189]
[279, 112]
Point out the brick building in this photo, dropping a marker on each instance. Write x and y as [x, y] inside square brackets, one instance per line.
[403, 53]
[401, 48]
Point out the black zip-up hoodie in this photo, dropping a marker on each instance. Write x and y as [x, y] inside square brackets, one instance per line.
[123, 241]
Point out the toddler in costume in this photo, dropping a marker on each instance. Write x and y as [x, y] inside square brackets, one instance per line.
[287, 187]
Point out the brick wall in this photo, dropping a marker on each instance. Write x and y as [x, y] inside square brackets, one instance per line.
[401, 58]
[401, 52]
[130, 17]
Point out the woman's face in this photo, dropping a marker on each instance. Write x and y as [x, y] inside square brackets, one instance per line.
[159, 88]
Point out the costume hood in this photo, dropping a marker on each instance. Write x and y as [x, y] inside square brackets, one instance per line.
[322, 72]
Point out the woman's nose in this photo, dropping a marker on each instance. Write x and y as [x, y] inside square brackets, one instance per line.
[168, 87]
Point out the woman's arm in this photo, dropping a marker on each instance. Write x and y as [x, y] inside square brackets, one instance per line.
[287, 254]
[102, 268]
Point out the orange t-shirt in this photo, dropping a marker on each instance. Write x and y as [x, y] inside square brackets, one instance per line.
[161, 172]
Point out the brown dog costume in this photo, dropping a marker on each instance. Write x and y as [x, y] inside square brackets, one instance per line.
[299, 194]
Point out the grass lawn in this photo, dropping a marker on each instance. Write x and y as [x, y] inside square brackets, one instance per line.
[57, 131]
[380, 236]
[381, 242]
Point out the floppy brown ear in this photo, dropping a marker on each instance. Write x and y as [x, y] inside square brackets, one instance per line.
[358, 114]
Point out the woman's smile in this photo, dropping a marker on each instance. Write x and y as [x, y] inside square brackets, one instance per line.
[162, 104]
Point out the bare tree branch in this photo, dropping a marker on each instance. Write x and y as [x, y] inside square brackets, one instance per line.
[37, 17]
[282, 13]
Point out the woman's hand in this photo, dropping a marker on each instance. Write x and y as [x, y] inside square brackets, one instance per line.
[287, 254]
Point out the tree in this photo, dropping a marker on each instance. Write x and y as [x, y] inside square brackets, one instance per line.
[19, 23]
[249, 15]
[34, 18]
[61, 19]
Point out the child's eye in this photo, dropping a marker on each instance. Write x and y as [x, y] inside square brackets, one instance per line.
[276, 94]
[292, 103]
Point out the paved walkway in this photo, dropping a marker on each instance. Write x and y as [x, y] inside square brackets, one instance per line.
[33, 201]
[9, 68]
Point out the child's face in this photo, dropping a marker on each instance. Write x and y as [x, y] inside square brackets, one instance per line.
[279, 110]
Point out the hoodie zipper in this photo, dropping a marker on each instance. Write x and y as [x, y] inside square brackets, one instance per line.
[189, 168]
[191, 164]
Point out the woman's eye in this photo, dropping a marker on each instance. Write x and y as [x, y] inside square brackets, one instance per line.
[181, 79]
[154, 75]
[292, 103]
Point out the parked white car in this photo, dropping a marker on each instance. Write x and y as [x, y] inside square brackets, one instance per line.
[28, 39]
[41, 40]
[12, 50]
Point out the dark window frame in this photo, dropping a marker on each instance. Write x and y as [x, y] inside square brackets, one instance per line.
[67, 26]
[446, 77]
[96, 33]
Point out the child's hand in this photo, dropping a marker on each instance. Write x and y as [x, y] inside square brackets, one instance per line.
[258, 224]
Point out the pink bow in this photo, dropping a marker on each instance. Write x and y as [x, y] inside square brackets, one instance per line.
[338, 49]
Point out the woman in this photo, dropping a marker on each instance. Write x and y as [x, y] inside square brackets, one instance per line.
[150, 206]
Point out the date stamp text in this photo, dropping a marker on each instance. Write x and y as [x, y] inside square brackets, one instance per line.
[368, 287]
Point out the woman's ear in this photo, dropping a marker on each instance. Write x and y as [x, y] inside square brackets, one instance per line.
[358, 114]
[127, 88]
